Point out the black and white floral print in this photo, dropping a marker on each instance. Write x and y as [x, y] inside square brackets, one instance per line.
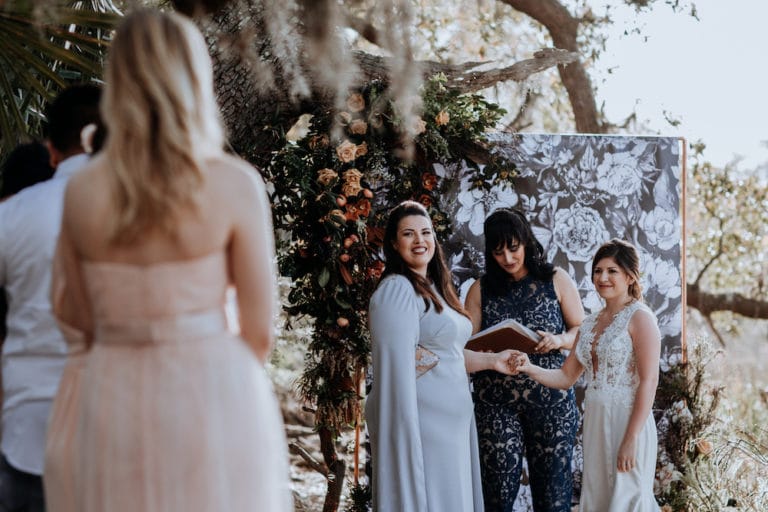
[579, 191]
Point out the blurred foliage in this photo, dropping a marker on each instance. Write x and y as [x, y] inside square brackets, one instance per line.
[44, 46]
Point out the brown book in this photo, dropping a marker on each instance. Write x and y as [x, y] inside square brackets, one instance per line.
[505, 334]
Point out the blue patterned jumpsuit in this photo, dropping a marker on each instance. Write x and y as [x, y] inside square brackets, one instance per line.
[518, 417]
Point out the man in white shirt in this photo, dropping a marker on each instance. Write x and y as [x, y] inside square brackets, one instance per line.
[34, 350]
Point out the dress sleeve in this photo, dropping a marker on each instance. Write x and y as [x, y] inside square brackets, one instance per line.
[393, 411]
[68, 299]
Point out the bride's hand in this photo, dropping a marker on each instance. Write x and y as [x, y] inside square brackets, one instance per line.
[625, 459]
[520, 363]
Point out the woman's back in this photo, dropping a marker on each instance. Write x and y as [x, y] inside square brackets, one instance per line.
[173, 411]
[199, 231]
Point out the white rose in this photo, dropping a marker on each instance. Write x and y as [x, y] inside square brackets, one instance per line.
[661, 227]
[619, 174]
[578, 232]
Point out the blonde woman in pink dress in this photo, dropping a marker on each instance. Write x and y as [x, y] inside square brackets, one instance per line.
[167, 410]
[618, 347]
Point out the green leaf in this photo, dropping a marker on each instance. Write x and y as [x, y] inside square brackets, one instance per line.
[324, 277]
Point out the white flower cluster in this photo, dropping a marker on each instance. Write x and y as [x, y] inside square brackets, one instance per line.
[679, 413]
[665, 475]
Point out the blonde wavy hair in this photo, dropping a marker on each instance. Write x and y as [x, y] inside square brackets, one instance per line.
[162, 121]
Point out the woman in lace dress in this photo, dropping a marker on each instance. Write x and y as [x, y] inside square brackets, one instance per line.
[618, 347]
[419, 412]
[516, 416]
[166, 410]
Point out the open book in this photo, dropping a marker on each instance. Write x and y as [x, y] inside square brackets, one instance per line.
[505, 334]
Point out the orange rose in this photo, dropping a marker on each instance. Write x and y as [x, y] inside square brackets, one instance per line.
[346, 151]
[425, 200]
[356, 103]
[429, 180]
[352, 212]
[442, 118]
[364, 207]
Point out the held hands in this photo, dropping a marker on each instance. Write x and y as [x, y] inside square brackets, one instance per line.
[548, 342]
[502, 361]
[519, 362]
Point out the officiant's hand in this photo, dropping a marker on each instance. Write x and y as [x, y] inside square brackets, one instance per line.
[548, 342]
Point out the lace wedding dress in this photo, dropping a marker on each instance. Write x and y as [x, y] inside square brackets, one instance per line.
[609, 398]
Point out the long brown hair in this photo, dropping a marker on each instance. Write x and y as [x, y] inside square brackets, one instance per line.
[437, 270]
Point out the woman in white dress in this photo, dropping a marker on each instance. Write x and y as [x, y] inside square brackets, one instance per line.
[619, 348]
[420, 413]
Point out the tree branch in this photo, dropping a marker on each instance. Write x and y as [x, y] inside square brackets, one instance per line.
[466, 77]
[304, 454]
[708, 303]
[363, 27]
[564, 28]
[711, 324]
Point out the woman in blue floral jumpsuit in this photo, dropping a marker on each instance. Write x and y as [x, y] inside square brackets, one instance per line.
[517, 417]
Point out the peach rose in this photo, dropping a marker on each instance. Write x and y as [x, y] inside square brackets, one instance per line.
[356, 103]
[346, 151]
[326, 176]
[442, 118]
[419, 126]
[358, 127]
[704, 447]
[342, 322]
[344, 117]
[361, 150]
[351, 186]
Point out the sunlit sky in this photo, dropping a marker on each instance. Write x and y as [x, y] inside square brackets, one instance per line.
[711, 74]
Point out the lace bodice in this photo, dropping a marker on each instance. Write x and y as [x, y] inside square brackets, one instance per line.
[616, 369]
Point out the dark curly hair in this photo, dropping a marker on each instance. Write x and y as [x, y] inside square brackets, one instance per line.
[506, 227]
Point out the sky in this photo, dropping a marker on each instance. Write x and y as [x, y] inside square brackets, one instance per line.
[710, 74]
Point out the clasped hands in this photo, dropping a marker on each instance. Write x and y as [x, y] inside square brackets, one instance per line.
[510, 362]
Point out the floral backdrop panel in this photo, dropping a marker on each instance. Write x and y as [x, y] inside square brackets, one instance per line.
[579, 191]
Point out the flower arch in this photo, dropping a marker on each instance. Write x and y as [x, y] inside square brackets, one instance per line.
[332, 184]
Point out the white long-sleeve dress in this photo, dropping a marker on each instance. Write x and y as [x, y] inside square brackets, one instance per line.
[423, 435]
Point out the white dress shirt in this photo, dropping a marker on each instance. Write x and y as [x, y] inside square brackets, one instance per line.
[34, 351]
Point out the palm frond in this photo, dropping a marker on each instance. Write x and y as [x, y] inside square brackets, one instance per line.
[43, 48]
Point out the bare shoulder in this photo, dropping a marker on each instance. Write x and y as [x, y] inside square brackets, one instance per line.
[643, 324]
[561, 277]
[563, 282]
[236, 177]
[88, 189]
